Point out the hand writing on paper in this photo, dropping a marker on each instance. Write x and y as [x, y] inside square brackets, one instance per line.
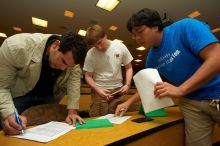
[72, 117]
[164, 89]
[11, 127]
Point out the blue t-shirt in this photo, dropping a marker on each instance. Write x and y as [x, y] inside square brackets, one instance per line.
[177, 58]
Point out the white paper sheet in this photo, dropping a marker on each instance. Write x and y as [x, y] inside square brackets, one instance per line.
[46, 132]
[145, 81]
[115, 120]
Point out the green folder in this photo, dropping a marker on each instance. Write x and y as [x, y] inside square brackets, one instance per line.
[96, 123]
[156, 113]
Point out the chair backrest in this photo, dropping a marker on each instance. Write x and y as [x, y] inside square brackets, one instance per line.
[44, 113]
[84, 102]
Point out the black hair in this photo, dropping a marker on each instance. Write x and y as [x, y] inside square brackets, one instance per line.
[70, 41]
[147, 17]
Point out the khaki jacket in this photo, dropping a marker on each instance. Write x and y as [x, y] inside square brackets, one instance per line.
[20, 67]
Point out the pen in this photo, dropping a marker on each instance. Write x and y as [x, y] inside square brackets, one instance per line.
[18, 121]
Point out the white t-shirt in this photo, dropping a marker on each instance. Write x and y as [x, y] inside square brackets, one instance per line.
[106, 66]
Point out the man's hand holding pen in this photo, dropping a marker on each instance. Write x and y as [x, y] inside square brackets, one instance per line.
[18, 120]
[11, 125]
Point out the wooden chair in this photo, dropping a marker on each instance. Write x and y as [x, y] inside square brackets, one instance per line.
[44, 113]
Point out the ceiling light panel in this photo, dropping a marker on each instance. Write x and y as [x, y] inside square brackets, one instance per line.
[194, 14]
[17, 28]
[116, 40]
[108, 5]
[39, 22]
[3, 35]
[138, 60]
[113, 28]
[68, 13]
[82, 32]
[216, 30]
[141, 48]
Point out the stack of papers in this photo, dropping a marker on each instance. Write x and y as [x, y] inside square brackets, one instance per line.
[46, 132]
[115, 120]
[52, 130]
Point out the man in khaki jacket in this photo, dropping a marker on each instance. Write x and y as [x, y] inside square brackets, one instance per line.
[36, 69]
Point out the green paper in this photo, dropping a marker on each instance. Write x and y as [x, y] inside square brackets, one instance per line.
[97, 123]
[156, 113]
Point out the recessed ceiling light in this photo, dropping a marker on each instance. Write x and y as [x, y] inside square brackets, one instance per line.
[194, 14]
[108, 5]
[139, 55]
[39, 22]
[215, 30]
[113, 28]
[3, 35]
[116, 40]
[68, 13]
[138, 60]
[82, 32]
[141, 48]
[17, 28]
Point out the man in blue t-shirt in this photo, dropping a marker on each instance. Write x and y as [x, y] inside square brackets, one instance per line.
[187, 54]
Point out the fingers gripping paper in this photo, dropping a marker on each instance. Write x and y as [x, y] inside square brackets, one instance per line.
[145, 81]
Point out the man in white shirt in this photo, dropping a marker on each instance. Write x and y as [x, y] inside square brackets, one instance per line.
[103, 71]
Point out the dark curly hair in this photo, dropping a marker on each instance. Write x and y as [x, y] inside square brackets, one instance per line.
[147, 17]
[70, 41]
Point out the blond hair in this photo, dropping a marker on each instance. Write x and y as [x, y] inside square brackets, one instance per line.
[94, 33]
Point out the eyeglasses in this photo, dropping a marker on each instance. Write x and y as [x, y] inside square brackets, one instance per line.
[138, 32]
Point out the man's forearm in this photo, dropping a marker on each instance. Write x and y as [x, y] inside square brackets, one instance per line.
[7, 105]
[134, 98]
[91, 83]
[129, 74]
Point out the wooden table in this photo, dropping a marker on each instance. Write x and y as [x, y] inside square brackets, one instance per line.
[161, 131]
